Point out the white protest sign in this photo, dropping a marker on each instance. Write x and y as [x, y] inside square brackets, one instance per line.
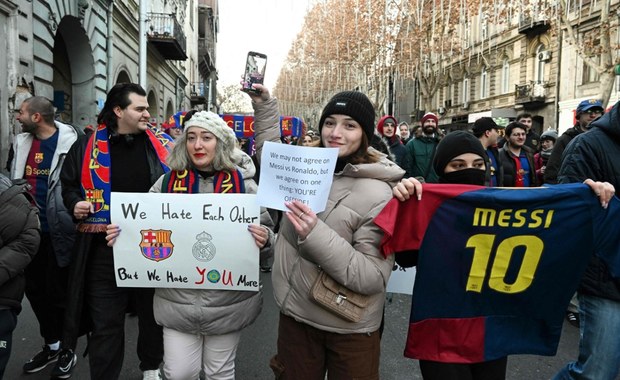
[401, 280]
[291, 172]
[198, 241]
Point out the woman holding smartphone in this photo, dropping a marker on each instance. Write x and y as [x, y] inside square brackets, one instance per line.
[341, 241]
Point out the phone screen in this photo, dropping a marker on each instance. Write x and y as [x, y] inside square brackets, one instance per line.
[254, 70]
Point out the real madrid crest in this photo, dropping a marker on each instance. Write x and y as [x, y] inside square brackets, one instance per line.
[203, 249]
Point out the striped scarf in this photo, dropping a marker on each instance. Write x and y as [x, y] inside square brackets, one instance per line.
[187, 181]
[95, 179]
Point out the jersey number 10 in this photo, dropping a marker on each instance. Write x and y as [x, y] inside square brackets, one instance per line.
[483, 245]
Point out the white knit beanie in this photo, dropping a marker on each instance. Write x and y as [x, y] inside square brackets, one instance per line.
[213, 123]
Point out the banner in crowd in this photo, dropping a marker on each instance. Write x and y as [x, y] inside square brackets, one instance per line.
[296, 173]
[198, 241]
[497, 267]
[243, 125]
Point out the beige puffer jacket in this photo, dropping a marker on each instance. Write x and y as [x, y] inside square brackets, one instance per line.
[212, 312]
[345, 243]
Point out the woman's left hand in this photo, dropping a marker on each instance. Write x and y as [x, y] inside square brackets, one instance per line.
[260, 234]
[302, 218]
[603, 190]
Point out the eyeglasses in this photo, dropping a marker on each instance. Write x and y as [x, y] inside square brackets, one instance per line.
[594, 112]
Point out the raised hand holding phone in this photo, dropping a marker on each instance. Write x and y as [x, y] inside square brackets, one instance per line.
[255, 65]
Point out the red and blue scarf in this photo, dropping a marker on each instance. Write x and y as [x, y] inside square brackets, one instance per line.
[187, 181]
[95, 178]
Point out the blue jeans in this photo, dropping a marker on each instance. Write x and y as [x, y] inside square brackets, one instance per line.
[599, 344]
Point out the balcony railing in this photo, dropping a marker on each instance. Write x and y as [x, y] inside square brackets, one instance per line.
[533, 26]
[531, 95]
[166, 34]
[199, 93]
[206, 56]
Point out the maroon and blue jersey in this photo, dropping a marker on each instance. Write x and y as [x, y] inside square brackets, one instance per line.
[37, 172]
[497, 267]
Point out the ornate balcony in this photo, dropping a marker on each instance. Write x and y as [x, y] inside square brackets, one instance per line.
[166, 35]
[533, 26]
[206, 56]
[531, 96]
[199, 93]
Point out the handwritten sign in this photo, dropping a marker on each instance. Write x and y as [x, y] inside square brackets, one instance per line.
[295, 173]
[198, 241]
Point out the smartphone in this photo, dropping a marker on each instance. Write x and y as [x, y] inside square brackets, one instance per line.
[254, 70]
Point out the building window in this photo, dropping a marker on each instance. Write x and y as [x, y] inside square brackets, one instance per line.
[541, 59]
[590, 74]
[465, 90]
[484, 82]
[505, 76]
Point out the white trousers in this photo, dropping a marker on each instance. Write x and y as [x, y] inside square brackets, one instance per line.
[185, 354]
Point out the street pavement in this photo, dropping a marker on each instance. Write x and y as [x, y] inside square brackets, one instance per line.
[259, 340]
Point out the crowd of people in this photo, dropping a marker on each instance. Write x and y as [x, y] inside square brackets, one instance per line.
[69, 277]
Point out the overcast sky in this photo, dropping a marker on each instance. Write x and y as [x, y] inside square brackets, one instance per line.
[264, 26]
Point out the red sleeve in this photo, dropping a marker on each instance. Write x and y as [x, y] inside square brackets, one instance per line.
[404, 223]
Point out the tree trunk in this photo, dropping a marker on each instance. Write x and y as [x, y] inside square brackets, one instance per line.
[607, 80]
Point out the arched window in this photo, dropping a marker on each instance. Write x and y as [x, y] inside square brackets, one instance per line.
[505, 76]
[541, 59]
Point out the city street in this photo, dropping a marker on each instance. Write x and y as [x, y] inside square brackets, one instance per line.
[258, 345]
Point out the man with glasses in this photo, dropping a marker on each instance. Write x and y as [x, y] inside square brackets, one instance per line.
[517, 159]
[587, 111]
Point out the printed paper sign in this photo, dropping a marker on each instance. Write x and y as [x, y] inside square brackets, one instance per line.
[401, 280]
[295, 173]
[198, 241]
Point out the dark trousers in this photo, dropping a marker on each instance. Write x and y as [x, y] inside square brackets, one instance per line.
[107, 305]
[305, 353]
[8, 321]
[491, 370]
[46, 289]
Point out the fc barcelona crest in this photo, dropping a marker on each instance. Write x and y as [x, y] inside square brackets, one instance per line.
[38, 157]
[156, 244]
[95, 196]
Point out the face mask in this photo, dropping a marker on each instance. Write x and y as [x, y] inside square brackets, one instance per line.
[469, 176]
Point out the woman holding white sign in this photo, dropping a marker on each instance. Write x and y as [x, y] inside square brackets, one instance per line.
[202, 328]
[338, 247]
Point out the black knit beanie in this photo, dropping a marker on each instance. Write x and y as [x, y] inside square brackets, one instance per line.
[454, 144]
[354, 104]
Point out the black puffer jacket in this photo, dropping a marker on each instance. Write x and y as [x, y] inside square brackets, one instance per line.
[19, 241]
[596, 155]
[509, 168]
[553, 165]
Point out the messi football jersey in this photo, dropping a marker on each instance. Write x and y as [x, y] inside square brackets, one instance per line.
[497, 267]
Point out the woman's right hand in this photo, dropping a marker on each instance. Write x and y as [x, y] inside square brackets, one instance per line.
[406, 188]
[112, 231]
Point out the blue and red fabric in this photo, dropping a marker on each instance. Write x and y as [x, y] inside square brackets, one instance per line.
[497, 267]
[187, 181]
[95, 176]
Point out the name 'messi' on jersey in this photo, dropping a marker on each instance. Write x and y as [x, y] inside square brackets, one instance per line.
[510, 218]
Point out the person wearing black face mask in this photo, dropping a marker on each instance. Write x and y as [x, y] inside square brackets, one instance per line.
[460, 159]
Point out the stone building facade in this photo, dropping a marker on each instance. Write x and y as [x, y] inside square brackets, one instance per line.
[74, 51]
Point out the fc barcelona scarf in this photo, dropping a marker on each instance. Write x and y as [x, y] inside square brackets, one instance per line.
[187, 181]
[95, 178]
